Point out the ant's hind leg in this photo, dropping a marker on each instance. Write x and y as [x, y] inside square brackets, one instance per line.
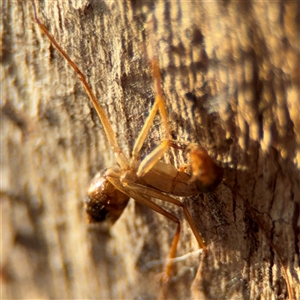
[111, 137]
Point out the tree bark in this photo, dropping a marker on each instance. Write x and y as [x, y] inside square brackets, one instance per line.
[230, 75]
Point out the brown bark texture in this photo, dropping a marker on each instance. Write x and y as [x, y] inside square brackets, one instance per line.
[230, 76]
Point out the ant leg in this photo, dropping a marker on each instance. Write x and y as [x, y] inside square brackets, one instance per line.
[150, 192]
[138, 194]
[159, 104]
[159, 151]
[121, 158]
[152, 158]
[160, 99]
[143, 134]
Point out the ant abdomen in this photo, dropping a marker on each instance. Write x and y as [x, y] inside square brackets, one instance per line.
[104, 202]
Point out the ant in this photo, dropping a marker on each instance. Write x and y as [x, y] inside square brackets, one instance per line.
[142, 180]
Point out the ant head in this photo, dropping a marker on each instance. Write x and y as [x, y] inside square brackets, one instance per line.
[205, 172]
[104, 202]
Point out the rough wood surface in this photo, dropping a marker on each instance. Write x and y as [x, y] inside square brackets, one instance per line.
[231, 80]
